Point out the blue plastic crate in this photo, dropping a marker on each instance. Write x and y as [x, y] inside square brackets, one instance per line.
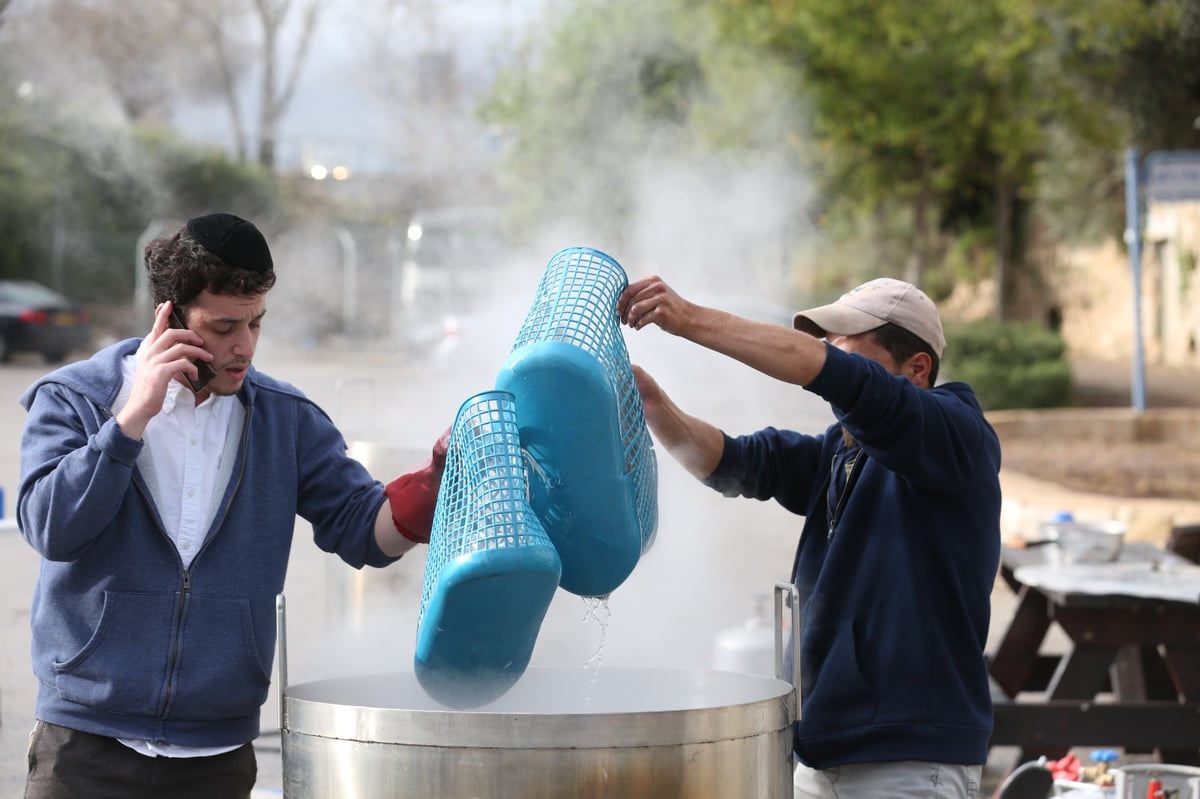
[491, 570]
[593, 472]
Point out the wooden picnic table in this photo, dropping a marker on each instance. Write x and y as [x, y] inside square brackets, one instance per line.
[1130, 677]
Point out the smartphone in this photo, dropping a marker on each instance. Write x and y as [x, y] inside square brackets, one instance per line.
[204, 371]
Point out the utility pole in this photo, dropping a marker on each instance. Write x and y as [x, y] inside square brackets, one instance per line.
[1133, 240]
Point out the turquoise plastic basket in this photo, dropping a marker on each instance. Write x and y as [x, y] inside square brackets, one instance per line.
[593, 473]
[491, 570]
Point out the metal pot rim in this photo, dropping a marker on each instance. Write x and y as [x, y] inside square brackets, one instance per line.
[362, 708]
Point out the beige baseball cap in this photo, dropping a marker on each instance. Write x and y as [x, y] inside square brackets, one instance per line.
[872, 304]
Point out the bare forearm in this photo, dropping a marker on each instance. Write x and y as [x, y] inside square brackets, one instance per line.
[387, 536]
[782, 353]
[694, 443]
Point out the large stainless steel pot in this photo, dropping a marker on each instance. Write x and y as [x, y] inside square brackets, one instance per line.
[559, 732]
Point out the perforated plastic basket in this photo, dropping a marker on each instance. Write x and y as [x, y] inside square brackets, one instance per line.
[491, 570]
[593, 476]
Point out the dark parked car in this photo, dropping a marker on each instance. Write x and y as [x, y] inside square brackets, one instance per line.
[34, 318]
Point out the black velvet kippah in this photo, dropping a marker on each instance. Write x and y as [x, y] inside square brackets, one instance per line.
[232, 239]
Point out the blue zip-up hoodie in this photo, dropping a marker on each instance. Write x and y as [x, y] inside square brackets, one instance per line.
[895, 598]
[126, 642]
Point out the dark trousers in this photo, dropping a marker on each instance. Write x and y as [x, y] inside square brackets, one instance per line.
[68, 764]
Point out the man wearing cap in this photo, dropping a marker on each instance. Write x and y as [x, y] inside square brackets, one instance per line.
[163, 508]
[900, 542]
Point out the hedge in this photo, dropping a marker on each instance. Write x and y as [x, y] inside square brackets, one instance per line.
[1009, 364]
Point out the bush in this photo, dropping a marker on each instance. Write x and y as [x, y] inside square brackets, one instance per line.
[1009, 364]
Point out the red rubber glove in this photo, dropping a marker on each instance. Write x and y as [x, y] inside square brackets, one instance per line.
[413, 495]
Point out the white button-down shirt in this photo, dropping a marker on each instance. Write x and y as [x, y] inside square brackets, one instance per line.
[185, 450]
[186, 460]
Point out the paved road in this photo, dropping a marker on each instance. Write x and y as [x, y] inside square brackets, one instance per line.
[1109, 383]
[710, 558]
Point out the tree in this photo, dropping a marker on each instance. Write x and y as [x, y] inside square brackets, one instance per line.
[278, 82]
[936, 105]
[147, 56]
[97, 55]
[570, 112]
[230, 54]
[616, 93]
[77, 187]
[1142, 57]
[227, 45]
[412, 64]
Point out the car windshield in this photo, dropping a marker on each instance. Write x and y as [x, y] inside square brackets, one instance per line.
[29, 293]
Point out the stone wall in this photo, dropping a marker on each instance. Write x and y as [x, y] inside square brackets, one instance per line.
[1088, 292]
[1178, 426]
[1029, 501]
[1172, 245]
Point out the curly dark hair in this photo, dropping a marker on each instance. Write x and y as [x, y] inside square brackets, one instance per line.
[179, 268]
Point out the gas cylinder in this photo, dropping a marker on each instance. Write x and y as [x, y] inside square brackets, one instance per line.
[750, 646]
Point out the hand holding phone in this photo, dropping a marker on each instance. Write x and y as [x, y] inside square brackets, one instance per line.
[204, 372]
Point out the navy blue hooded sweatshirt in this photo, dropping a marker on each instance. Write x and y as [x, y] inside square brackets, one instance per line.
[126, 642]
[895, 595]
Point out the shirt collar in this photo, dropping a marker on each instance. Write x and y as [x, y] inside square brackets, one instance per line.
[172, 396]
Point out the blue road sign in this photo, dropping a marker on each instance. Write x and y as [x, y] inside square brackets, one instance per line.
[1173, 176]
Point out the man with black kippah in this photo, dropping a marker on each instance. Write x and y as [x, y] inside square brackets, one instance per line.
[160, 481]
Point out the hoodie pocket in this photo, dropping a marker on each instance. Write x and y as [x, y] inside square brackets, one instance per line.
[220, 673]
[122, 667]
[838, 698]
[139, 662]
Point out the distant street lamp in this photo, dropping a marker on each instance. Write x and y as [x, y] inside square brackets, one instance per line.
[321, 172]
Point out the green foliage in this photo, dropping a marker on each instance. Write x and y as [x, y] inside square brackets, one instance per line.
[77, 202]
[971, 256]
[937, 130]
[1117, 56]
[1080, 195]
[616, 85]
[26, 195]
[944, 137]
[1187, 269]
[201, 179]
[64, 207]
[912, 98]
[1009, 364]
[1141, 57]
[578, 106]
